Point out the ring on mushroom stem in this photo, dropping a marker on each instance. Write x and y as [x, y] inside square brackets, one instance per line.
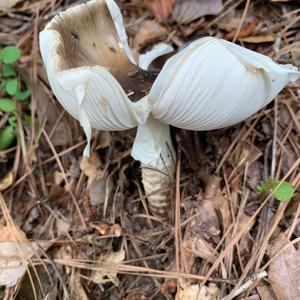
[210, 84]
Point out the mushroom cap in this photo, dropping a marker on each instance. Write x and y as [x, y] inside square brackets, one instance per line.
[214, 83]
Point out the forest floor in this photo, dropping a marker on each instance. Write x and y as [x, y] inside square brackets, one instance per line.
[82, 227]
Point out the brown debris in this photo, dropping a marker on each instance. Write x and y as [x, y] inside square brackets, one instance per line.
[5, 5]
[284, 269]
[245, 31]
[161, 9]
[187, 11]
[148, 33]
[91, 166]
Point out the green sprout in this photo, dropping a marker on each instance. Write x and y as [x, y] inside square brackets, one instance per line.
[283, 191]
[10, 93]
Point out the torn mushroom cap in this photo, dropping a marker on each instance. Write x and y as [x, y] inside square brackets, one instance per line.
[90, 67]
[214, 83]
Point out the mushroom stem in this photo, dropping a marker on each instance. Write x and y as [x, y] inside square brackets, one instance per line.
[153, 148]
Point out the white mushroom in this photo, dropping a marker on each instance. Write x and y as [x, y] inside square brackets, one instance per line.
[208, 85]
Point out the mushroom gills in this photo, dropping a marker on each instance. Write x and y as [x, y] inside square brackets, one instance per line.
[89, 38]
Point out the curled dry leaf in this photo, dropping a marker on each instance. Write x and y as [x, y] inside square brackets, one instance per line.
[189, 291]
[109, 259]
[5, 5]
[207, 223]
[6, 181]
[195, 246]
[283, 271]
[161, 9]
[187, 11]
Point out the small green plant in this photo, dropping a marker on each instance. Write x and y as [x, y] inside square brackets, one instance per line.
[280, 191]
[10, 92]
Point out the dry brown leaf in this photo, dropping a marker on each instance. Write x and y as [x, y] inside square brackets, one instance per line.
[5, 5]
[77, 291]
[230, 21]
[259, 39]
[199, 247]
[207, 223]
[11, 234]
[296, 55]
[62, 133]
[6, 181]
[189, 291]
[161, 9]
[245, 242]
[99, 190]
[149, 32]
[253, 297]
[90, 166]
[223, 209]
[62, 226]
[111, 258]
[283, 271]
[105, 139]
[265, 292]
[105, 229]
[136, 296]
[246, 30]
[187, 11]
[195, 246]
[15, 253]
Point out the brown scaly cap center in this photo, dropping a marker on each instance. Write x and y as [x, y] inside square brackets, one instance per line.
[89, 38]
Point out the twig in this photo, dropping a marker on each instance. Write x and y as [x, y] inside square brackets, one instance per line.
[253, 279]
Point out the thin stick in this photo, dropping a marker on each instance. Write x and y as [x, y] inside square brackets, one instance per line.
[242, 21]
[65, 177]
[177, 216]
